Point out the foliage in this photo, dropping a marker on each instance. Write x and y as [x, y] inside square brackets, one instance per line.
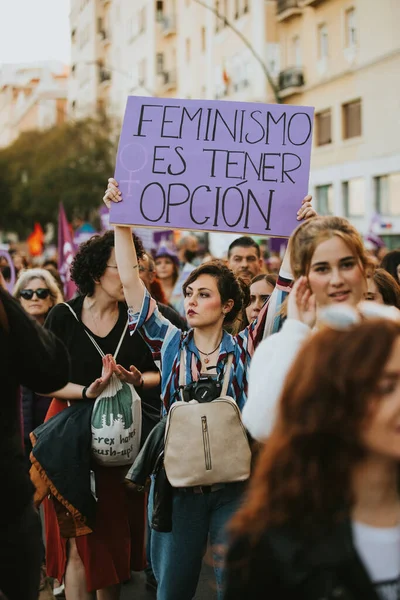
[68, 163]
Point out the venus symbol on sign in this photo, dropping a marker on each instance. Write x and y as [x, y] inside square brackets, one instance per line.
[133, 158]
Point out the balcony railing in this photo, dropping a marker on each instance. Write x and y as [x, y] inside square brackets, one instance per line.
[291, 81]
[286, 9]
[168, 25]
[168, 80]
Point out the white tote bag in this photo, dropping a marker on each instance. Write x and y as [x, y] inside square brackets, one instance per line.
[116, 418]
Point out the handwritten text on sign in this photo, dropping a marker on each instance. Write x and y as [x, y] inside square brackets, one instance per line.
[213, 165]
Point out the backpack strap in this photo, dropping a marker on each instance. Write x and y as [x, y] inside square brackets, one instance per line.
[95, 344]
[182, 372]
[227, 374]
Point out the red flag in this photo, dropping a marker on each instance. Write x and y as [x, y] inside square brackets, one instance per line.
[65, 253]
[35, 240]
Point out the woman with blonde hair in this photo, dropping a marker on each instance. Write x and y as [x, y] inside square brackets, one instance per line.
[38, 292]
[322, 515]
[330, 267]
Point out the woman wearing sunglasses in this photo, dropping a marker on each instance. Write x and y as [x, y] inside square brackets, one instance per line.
[38, 292]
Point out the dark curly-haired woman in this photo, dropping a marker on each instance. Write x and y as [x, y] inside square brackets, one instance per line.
[322, 515]
[99, 561]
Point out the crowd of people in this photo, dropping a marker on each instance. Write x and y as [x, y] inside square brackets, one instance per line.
[304, 352]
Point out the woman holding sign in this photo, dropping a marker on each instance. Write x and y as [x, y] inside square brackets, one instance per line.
[330, 266]
[213, 298]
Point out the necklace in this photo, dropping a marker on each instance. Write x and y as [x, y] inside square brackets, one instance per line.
[206, 360]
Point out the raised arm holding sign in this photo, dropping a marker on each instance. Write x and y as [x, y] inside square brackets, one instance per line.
[213, 165]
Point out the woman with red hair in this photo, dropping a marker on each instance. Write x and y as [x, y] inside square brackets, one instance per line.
[322, 516]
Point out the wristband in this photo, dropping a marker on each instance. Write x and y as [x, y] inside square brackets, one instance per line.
[84, 397]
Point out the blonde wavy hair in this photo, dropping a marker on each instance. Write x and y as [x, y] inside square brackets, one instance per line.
[312, 232]
[27, 275]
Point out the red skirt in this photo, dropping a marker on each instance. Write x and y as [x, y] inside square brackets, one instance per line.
[117, 543]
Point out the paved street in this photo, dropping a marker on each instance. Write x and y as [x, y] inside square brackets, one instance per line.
[136, 590]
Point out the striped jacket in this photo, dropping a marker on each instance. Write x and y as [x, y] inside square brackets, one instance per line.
[166, 341]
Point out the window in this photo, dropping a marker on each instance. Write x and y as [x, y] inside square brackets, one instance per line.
[188, 49]
[351, 32]
[159, 63]
[203, 39]
[142, 20]
[354, 197]
[351, 114]
[387, 194]
[323, 127]
[159, 10]
[324, 194]
[296, 51]
[226, 12]
[322, 42]
[218, 22]
[142, 72]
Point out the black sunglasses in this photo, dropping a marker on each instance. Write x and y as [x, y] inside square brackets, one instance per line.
[41, 293]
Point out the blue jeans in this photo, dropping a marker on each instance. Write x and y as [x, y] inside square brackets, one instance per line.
[176, 557]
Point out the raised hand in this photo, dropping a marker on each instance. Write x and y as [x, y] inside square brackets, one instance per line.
[112, 193]
[306, 211]
[132, 376]
[301, 303]
[101, 383]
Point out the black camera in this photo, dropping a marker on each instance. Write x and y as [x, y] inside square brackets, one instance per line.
[205, 389]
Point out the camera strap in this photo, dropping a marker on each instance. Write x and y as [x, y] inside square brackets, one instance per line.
[182, 373]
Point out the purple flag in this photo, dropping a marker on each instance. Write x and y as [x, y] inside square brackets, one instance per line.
[65, 254]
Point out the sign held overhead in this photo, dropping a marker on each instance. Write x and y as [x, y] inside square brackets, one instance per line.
[213, 165]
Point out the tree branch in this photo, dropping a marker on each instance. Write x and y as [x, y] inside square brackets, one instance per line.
[247, 44]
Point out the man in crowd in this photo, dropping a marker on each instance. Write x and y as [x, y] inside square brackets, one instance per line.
[188, 248]
[244, 258]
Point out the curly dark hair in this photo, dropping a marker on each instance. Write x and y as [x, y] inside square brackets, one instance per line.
[228, 285]
[91, 260]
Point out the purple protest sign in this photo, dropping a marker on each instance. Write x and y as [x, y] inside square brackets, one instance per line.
[10, 284]
[213, 165]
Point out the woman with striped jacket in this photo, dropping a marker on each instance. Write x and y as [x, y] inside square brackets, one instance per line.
[212, 298]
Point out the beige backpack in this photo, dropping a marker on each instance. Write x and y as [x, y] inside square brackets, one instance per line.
[206, 442]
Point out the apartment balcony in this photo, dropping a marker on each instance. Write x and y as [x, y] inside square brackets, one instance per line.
[286, 9]
[104, 77]
[168, 25]
[291, 81]
[167, 80]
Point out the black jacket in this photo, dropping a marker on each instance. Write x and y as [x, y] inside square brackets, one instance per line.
[66, 467]
[286, 567]
[33, 357]
[150, 461]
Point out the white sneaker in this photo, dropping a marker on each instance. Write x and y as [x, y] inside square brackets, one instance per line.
[57, 591]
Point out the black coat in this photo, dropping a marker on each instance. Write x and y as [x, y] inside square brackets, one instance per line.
[283, 566]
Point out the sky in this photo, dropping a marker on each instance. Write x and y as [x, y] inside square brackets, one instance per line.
[34, 30]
